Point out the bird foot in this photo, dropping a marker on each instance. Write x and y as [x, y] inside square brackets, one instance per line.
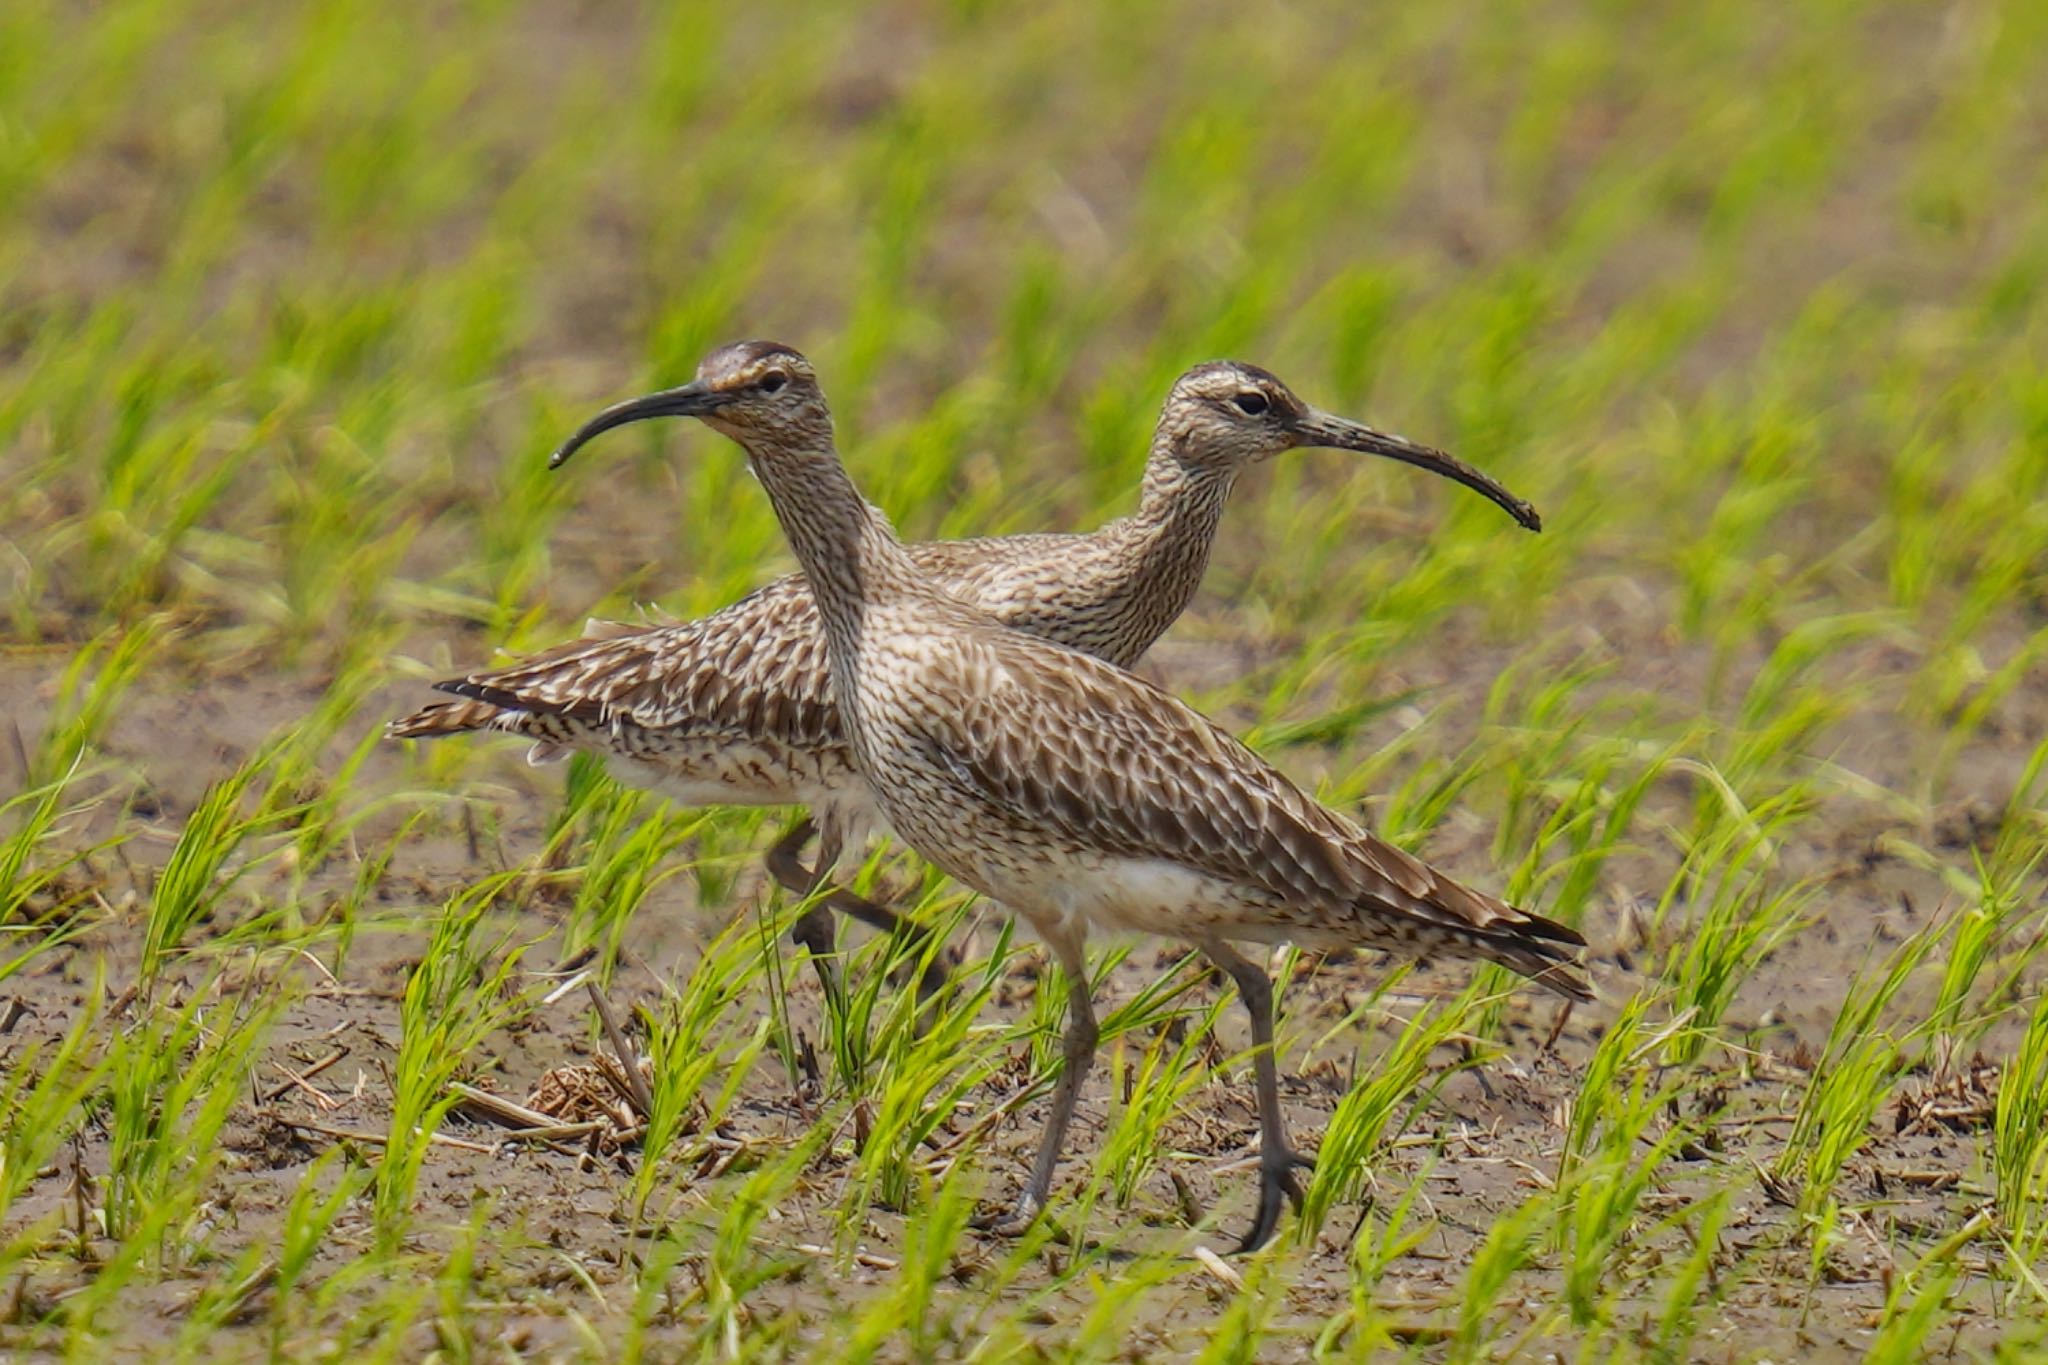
[1014, 1222]
[1277, 1183]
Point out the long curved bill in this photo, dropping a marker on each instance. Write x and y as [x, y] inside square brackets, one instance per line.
[1321, 428]
[693, 399]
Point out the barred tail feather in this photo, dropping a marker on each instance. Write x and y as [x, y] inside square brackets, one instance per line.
[1538, 956]
[447, 718]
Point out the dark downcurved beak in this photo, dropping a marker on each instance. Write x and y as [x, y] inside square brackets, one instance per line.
[1320, 428]
[691, 400]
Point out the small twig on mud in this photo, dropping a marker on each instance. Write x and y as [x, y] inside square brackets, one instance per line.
[319, 967]
[302, 1080]
[81, 1192]
[509, 1113]
[1564, 1016]
[240, 1296]
[1220, 1268]
[629, 1060]
[860, 1258]
[380, 1139]
[1184, 1197]
[20, 750]
[993, 1116]
[566, 988]
[555, 1132]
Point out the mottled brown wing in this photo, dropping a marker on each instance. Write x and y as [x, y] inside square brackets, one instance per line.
[1133, 771]
[756, 669]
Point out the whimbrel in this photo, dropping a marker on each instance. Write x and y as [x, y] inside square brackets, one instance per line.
[1078, 795]
[737, 709]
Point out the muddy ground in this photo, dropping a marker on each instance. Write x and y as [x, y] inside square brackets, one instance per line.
[557, 1233]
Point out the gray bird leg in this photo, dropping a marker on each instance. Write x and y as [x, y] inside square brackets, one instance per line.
[1077, 1055]
[1277, 1160]
[814, 929]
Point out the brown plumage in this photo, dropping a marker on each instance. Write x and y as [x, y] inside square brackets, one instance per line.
[1078, 795]
[737, 708]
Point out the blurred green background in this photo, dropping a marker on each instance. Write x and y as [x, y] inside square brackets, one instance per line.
[1750, 299]
[1746, 297]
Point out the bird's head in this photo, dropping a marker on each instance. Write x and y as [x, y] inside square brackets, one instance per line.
[1228, 415]
[752, 391]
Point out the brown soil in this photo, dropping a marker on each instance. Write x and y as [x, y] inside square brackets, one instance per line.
[1493, 1131]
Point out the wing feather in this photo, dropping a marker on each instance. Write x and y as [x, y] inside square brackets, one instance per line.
[1149, 777]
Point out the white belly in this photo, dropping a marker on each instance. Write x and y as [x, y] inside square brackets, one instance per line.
[1131, 895]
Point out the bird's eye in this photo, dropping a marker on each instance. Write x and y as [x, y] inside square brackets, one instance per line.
[773, 381]
[1251, 403]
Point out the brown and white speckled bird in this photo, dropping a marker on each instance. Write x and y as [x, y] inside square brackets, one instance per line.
[736, 708]
[1078, 795]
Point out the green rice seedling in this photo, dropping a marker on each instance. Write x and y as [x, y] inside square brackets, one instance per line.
[514, 529]
[735, 1264]
[340, 534]
[910, 1310]
[1386, 1234]
[1746, 915]
[854, 1018]
[1854, 1073]
[297, 753]
[1537, 725]
[1324, 728]
[89, 693]
[2025, 824]
[40, 879]
[344, 913]
[455, 1327]
[1510, 1245]
[1385, 1094]
[273, 1270]
[631, 843]
[1979, 932]
[586, 791]
[44, 1090]
[1967, 706]
[1133, 1140]
[1049, 1007]
[1693, 1286]
[1151, 1091]
[149, 485]
[1113, 1299]
[1611, 1158]
[1238, 1334]
[692, 1040]
[654, 1296]
[923, 1075]
[308, 1221]
[1419, 802]
[1043, 1027]
[382, 1326]
[172, 1082]
[1917, 1301]
[324, 818]
[202, 866]
[1916, 1309]
[460, 993]
[2019, 1147]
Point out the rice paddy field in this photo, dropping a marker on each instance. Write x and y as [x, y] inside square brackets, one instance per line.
[1750, 299]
